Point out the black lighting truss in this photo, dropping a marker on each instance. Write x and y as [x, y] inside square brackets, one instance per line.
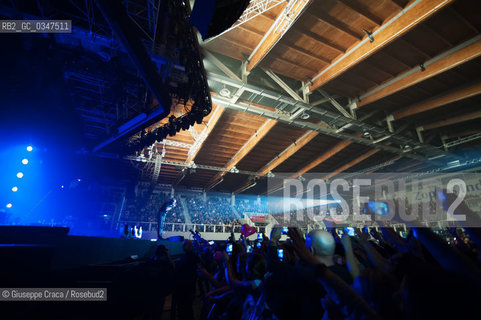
[195, 89]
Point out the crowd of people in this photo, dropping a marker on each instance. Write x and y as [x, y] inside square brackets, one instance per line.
[251, 205]
[144, 207]
[426, 274]
[213, 210]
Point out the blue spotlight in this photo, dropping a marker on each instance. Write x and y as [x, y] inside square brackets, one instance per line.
[20, 175]
[29, 148]
[9, 205]
[62, 186]
[14, 189]
[25, 161]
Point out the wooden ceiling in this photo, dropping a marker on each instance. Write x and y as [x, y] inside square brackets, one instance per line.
[409, 67]
[324, 35]
[422, 71]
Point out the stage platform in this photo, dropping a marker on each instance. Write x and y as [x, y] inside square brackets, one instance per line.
[51, 248]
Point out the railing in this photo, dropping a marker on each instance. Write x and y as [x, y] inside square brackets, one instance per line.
[185, 227]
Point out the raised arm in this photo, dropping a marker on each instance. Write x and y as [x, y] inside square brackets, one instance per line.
[352, 263]
[449, 258]
[337, 289]
[375, 257]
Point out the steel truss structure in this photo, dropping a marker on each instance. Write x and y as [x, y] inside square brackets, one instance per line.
[254, 9]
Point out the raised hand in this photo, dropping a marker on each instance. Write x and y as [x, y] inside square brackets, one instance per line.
[299, 245]
[276, 233]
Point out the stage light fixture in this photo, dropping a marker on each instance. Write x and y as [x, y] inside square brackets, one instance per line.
[224, 92]
[25, 161]
[9, 205]
[29, 148]
[15, 189]
[20, 175]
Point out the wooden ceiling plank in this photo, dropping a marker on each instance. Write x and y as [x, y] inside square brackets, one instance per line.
[438, 35]
[338, 25]
[317, 161]
[413, 15]
[354, 6]
[282, 23]
[323, 41]
[255, 32]
[288, 152]
[459, 94]
[378, 69]
[352, 163]
[397, 3]
[292, 63]
[323, 157]
[464, 20]
[389, 56]
[250, 144]
[306, 53]
[414, 48]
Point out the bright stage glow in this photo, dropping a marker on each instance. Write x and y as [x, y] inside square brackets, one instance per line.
[29, 148]
[325, 202]
[20, 175]
[9, 205]
[25, 161]
[14, 189]
[62, 186]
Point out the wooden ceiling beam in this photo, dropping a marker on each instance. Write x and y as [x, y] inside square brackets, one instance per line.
[317, 161]
[323, 157]
[454, 120]
[283, 156]
[459, 94]
[280, 26]
[352, 163]
[288, 152]
[411, 16]
[452, 58]
[250, 144]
